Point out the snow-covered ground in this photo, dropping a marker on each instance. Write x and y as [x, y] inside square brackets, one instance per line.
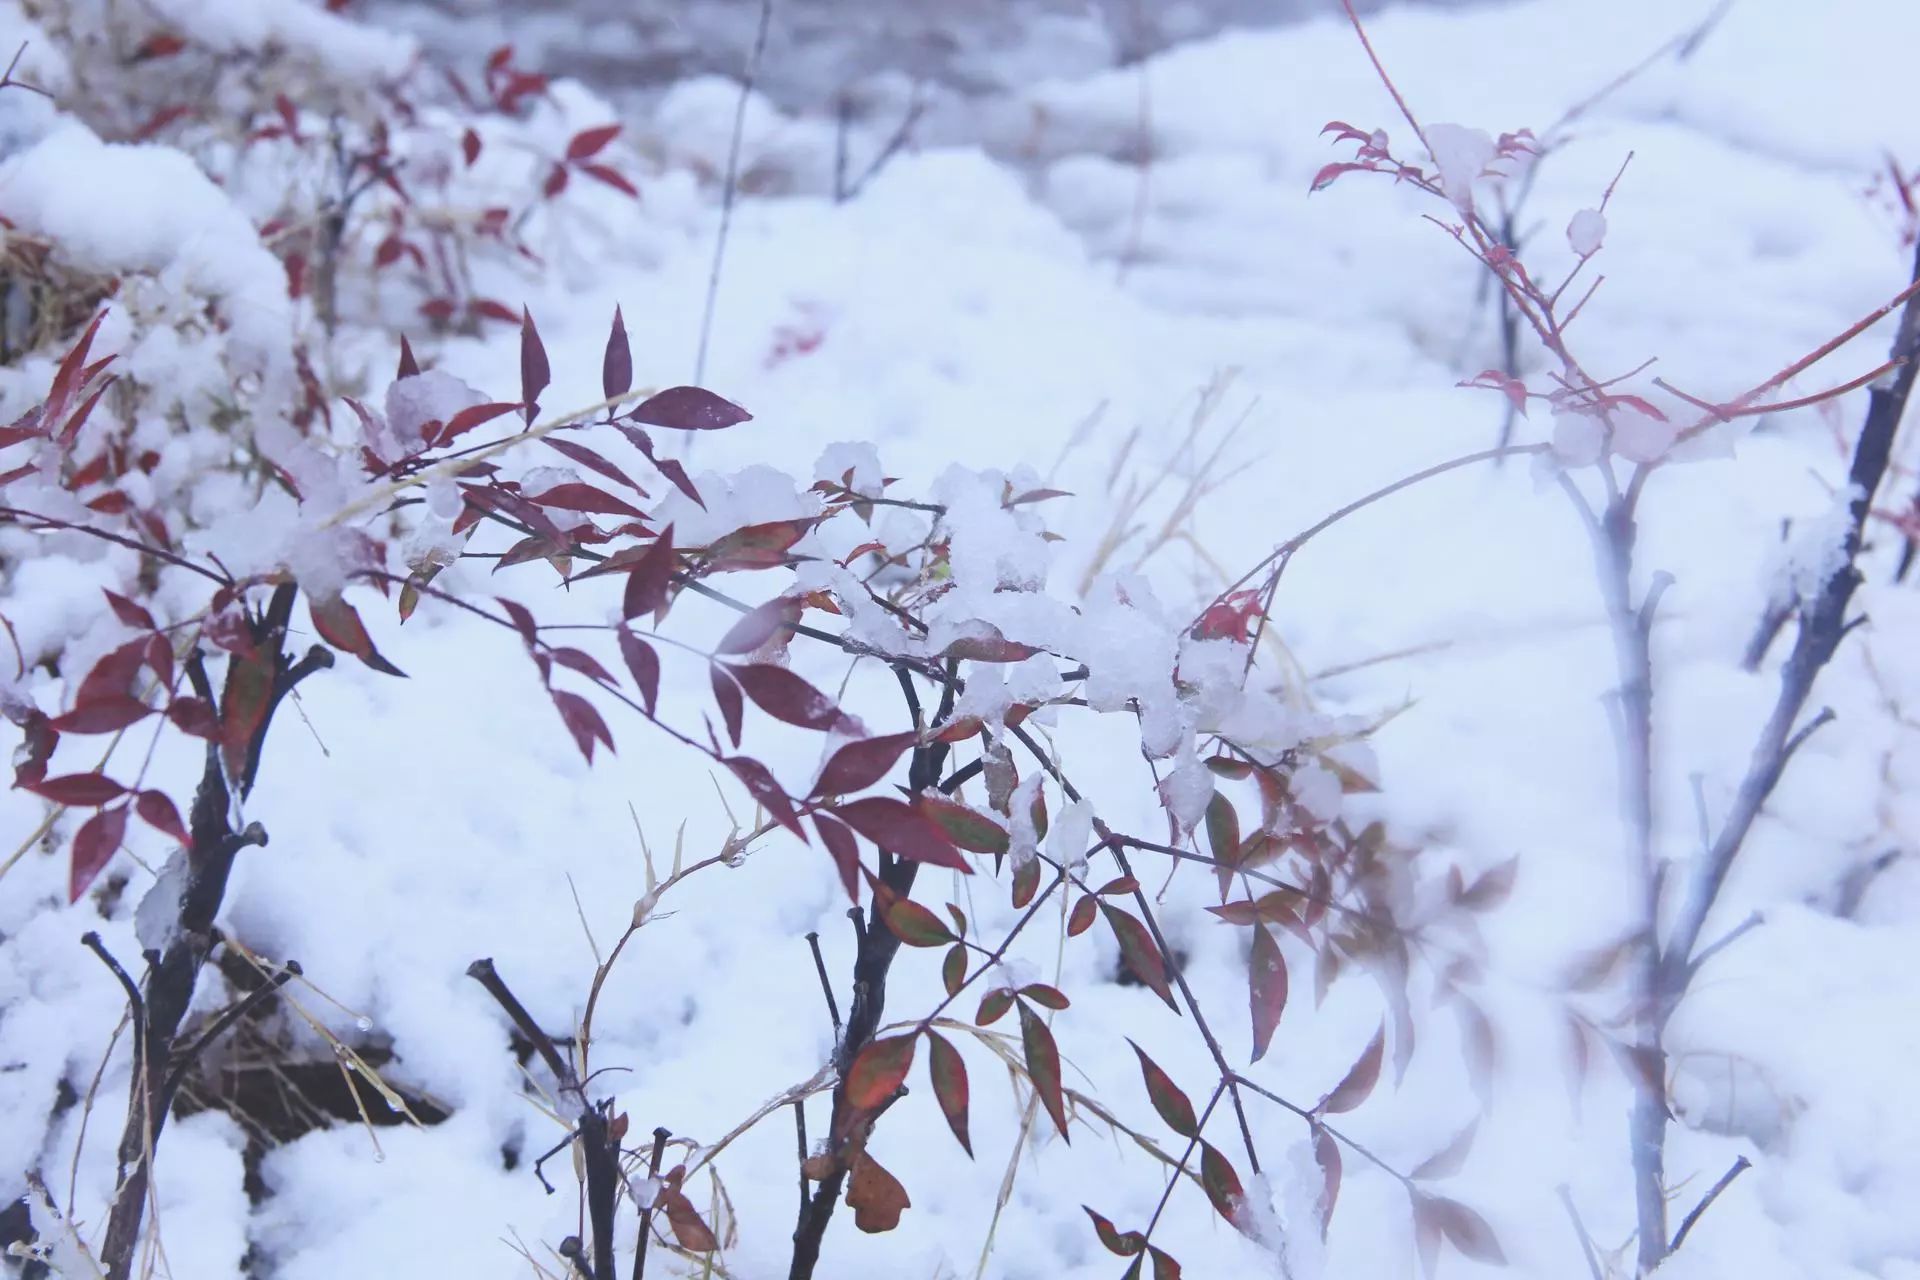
[1021, 297]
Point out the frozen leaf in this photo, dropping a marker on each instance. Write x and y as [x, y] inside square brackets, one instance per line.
[875, 1196]
[1175, 1108]
[879, 1070]
[98, 839]
[760, 784]
[967, 828]
[1223, 838]
[1266, 988]
[759, 625]
[534, 372]
[785, 696]
[1081, 918]
[949, 1076]
[1138, 951]
[916, 926]
[1446, 1162]
[757, 546]
[1222, 1186]
[1464, 1229]
[158, 812]
[688, 409]
[1355, 1087]
[1126, 1244]
[899, 829]
[644, 663]
[953, 969]
[616, 366]
[1460, 155]
[858, 765]
[1043, 1066]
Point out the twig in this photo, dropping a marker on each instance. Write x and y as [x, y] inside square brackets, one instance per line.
[1580, 1231]
[826, 984]
[1740, 1166]
[729, 194]
[1726, 940]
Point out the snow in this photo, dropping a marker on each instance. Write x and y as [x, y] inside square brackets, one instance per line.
[974, 318]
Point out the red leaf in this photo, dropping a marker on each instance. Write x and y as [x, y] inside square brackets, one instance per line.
[844, 850]
[128, 612]
[585, 663]
[1173, 1105]
[1266, 988]
[953, 969]
[243, 708]
[897, 828]
[1082, 916]
[587, 142]
[726, 692]
[1126, 1244]
[78, 789]
[593, 461]
[192, 716]
[339, 625]
[522, 618]
[949, 1076]
[760, 625]
[688, 409]
[786, 696]
[916, 926]
[647, 584]
[1222, 1186]
[760, 784]
[66, 379]
[161, 44]
[616, 367]
[667, 467]
[1326, 1154]
[1026, 883]
[1358, 1083]
[1465, 1229]
[108, 714]
[879, 1070]
[644, 663]
[582, 721]
[858, 765]
[1043, 1066]
[577, 495]
[757, 546]
[534, 373]
[1223, 838]
[968, 828]
[1045, 996]
[612, 177]
[556, 182]
[1164, 1266]
[993, 1006]
[1137, 949]
[97, 841]
[112, 676]
[470, 146]
[157, 811]
[469, 418]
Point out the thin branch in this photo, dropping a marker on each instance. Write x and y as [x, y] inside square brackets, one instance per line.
[1740, 1166]
[826, 984]
[1580, 1232]
[731, 191]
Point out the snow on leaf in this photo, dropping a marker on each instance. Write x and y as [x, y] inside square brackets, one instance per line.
[1126, 1244]
[1222, 1186]
[1587, 232]
[339, 624]
[769, 794]
[688, 409]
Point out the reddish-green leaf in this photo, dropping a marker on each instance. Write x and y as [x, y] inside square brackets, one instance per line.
[898, 828]
[1026, 883]
[1164, 1267]
[243, 708]
[689, 1231]
[469, 418]
[94, 845]
[689, 409]
[1043, 1066]
[1081, 918]
[1175, 1108]
[339, 625]
[616, 367]
[1266, 988]
[1222, 1186]
[858, 765]
[1357, 1084]
[579, 496]
[759, 625]
[1124, 1243]
[953, 969]
[651, 577]
[1138, 951]
[879, 1070]
[534, 372]
[1223, 839]
[949, 1075]
[757, 546]
[916, 926]
[192, 716]
[644, 663]
[157, 811]
[966, 827]
[1042, 994]
[993, 1006]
